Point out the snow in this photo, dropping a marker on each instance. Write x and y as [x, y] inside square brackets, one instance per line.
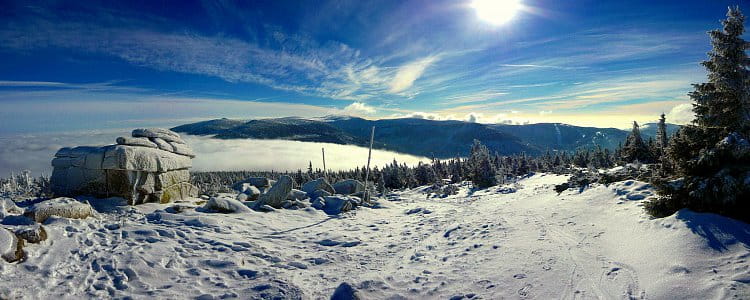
[521, 240]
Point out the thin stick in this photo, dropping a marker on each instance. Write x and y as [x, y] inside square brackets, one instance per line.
[367, 174]
[325, 171]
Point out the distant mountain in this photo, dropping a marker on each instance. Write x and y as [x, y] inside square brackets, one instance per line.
[554, 136]
[441, 139]
[649, 129]
[295, 129]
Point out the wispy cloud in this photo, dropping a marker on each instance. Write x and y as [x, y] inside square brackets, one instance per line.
[408, 73]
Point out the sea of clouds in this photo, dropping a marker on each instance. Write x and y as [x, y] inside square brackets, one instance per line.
[34, 152]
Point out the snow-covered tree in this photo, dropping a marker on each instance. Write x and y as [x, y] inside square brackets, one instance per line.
[634, 148]
[483, 171]
[711, 156]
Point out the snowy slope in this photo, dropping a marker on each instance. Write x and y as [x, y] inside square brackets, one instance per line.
[520, 241]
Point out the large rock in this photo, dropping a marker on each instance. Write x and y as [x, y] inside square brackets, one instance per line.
[161, 133]
[318, 184]
[11, 247]
[348, 187]
[337, 204]
[226, 205]
[121, 157]
[60, 207]
[150, 166]
[277, 194]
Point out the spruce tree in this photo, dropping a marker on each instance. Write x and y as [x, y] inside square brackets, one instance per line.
[483, 171]
[711, 156]
[634, 148]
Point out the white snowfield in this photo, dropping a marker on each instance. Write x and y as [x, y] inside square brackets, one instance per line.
[519, 241]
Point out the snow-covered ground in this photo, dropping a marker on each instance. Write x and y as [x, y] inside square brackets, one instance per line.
[520, 241]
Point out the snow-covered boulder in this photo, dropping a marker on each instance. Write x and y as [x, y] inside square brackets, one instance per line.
[296, 194]
[11, 247]
[251, 191]
[225, 205]
[60, 207]
[348, 187]
[277, 194]
[152, 165]
[337, 204]
[318, 184]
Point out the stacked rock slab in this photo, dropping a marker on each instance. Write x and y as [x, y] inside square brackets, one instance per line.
[151, 165]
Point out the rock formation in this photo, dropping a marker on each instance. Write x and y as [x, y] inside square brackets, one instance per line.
[152, 165]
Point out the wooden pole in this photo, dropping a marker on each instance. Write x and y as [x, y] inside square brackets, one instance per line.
[366, 195]
[325, 171]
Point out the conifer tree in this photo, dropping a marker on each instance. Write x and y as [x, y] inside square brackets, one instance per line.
[712, 155]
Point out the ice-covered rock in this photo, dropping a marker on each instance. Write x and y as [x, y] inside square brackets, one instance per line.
[277, 194]
[162, 144]
[318, 184]
[348, 187]
[225, 205]
[136, 141]
[160, 133]
[152, 165]
[60, 207]
[11, 247]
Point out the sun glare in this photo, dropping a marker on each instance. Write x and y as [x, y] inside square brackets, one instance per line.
[496, 12]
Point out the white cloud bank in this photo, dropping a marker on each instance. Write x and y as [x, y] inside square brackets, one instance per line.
[35, 152]
[359, 108]
[681, 114]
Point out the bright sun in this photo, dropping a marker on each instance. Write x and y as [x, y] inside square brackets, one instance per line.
[496, 12]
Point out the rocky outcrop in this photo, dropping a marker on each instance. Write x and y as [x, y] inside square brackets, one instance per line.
[152, 165]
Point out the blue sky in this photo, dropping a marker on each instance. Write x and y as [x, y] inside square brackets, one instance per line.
[78, 65]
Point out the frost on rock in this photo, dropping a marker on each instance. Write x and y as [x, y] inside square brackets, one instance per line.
[59, 207]
[152, 165]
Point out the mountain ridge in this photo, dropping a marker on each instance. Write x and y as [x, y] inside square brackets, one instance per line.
[432, 138]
